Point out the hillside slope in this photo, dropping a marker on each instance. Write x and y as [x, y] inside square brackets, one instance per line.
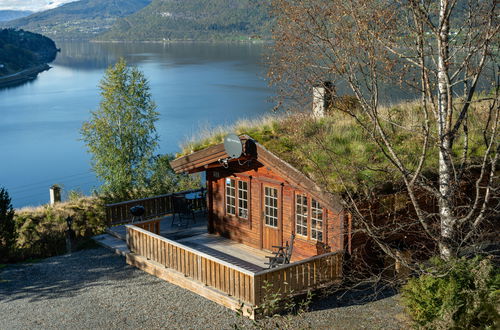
[194, 20]
[82, 19]
[20, 50]
[7, 15]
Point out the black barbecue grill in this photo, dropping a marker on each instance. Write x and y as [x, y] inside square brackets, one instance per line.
[137, 212]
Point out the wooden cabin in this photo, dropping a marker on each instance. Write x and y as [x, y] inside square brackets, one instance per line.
[259, 200]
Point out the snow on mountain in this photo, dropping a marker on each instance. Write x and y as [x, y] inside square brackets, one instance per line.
[32, 5]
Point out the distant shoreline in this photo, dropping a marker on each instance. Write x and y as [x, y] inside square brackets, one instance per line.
[23, 76]
[254, 41]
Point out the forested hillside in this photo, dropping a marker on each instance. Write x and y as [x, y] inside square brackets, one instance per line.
[7, 15]
[20, 50]
[82, 19]
[194, 20]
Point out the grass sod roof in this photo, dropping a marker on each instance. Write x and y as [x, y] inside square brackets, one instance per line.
[337, 153]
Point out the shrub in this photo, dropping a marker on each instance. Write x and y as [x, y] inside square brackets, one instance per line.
[164, 180]
[7, 228]
[41, 231]
[461, 293]
[161, 180]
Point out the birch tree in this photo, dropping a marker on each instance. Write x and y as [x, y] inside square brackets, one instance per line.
[445, 51]
[121, 135]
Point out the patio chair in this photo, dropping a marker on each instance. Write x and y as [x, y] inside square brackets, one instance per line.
[183, 210]
[282, 255]
[198, 200]
[203, 198]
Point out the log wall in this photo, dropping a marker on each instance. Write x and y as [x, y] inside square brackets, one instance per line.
[252, 231]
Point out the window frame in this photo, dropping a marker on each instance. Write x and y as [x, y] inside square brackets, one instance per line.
[227, 196]
[275, 217]
[320, 210]
[246, 200]
[312, 234]
[304, 224]
[236, 198]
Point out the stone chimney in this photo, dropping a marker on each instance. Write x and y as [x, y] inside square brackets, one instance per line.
[322, 98]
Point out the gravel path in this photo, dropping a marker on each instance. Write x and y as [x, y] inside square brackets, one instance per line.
[96, 289]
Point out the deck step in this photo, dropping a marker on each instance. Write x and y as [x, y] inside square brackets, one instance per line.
[117, 232]
[113, 243]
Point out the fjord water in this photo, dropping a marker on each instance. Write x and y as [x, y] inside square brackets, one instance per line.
[195, 86]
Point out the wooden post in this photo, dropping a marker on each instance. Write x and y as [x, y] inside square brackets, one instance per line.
[69, 247]
[210, 195]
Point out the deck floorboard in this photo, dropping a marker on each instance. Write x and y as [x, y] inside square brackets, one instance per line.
[195, 236]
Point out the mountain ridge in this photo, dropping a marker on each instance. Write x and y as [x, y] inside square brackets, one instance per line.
[82, 19]
[8, 15]
[166, 20]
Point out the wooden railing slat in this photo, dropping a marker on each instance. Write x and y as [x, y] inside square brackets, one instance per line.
[156, 206]
[230, 279]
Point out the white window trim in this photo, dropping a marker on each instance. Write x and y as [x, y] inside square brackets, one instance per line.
[266, 207]
[313, 230]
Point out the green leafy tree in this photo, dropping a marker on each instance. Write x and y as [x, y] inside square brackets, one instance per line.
[163, 178]
[121, 135]
[7, 225]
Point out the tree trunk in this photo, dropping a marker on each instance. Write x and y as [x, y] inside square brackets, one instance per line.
[444, 113]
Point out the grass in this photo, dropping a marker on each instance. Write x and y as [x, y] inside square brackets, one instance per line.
[206, 137]
[41, 231]
[336, 152]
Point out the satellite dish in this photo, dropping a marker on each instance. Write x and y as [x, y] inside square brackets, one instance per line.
[233, 146]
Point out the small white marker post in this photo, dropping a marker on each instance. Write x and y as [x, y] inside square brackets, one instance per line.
[55, 194]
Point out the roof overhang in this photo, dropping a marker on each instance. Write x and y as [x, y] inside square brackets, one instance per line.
[211, 157]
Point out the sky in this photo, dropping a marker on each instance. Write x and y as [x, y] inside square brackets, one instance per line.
[33, 5]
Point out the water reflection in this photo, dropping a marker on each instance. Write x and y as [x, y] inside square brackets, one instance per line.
[194, 85]
[91, 56]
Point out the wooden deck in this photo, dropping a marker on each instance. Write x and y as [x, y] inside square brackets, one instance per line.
[167, 230]
[195, 236]
[219, 269]
[226, 272]
[230, 251]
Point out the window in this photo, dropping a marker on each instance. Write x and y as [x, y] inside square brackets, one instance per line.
[243, 199]
[237, 198]
[230, 196]
[271, 206]
[301, 215]
[316, 221]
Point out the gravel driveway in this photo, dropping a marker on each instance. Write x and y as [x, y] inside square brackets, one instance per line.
[97, 289]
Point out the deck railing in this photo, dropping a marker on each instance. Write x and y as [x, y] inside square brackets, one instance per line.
[244, 285]
[150, 225]
[299, 277]
[156, 206]
[218, 274]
